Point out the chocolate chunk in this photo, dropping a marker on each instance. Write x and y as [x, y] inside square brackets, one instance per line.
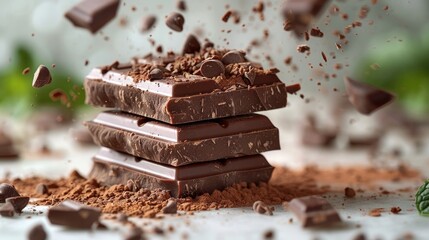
[181, 5]
[42, 189]
[315, 32]
[7, 191]
[171, 207]
[186, 143]
[189, 180]
[294, 88]
[7, 210]
[18, 203]
[269, 234]
[233, 57]
[156, 74]
[93, 14]
[42, 77]
[37, 232]
[349, 192]
[313, 211]
[366, 98]
[255, 79]
[226, 16]
[192, 45]
[262, 208]
[175, 21]
[212, 68]
[73, 215]
[147, 23]
[303, 48]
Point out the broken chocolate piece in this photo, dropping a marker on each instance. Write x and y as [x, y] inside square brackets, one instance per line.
[192, 45]
[212, 68]
[181, 5]
[147, 23]
[188, 180]
[7, 191]
[349, 192]
[93, 14]
[366, 98]
[7, 148]
[37, 232]
[313, 211]
[233, 57]
[42, 77]
[73, 215]
[156, 74]
[294, 88]
[171, 207]
[186, 143]
[175, 21]
[42, 189]
[7, 210]
[18, 202]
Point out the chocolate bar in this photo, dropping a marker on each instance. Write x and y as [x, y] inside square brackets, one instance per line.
[111, 167]
[74, 215]
[177, 99]
[183, 144]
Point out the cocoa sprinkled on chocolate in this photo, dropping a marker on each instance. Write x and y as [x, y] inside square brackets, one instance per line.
[42, 189]
[181, 5]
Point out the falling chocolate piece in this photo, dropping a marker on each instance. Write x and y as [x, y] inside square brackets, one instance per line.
[192, 45]
[181, 5]
[7, 191]
[294, 88]
[42, 77]
[93, 14]
[147, 23]
[212, 68]
[37, 232]
[18, 203]
[74, 215]
[313, 211]
[6, 210]
[42, 189]
[175, 21]
[233, 57]
[366, 98]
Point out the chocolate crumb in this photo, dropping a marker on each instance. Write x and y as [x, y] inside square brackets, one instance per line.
[37, 232]
[134, 234]
[226, 16]
[262, 208]
[395, 210]
[349, 192]
[7, 210]
[269, 234]
[359, 236]
[315, 32]
[147, 23]
[181, 5]
[175, 21]
[42, 189]
[171, 207]
[303, 48]
[376, 212]
[25, 71]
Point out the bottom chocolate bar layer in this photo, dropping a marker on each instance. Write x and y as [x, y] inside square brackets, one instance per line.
[111, 167]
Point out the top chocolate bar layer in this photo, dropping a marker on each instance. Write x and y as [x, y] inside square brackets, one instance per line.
[172, 91]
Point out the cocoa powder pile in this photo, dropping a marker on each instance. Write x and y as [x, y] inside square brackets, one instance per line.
[284, 186]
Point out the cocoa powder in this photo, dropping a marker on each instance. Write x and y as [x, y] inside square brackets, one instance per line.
[284, 186]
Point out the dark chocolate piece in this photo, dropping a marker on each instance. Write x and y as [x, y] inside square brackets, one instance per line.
[6, 210]
[148, 23]
[233, 57]
[171, 207]
[111, 167]
[366, 98]
[18, 202]
[41, 77]
[186, 143]
[181, 5]
[93, 14]
[7, 148]
[212, 68]
[74, 215]
[37, 232]
[314, 211]
[175, 21]
[135, 233]
[7, 191]
[294, 88]
[179, 99]
[156, 74]
[192, 45]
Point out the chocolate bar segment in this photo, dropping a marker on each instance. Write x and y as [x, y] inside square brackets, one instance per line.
[179, 145]
[180, 99]
[111, 167]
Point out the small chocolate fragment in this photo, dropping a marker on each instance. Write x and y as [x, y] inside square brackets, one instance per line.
[123, 218]
[42, 77]
[7, 148]
[6, 210]
[175, 21]
[294, 88]
[226, 16]
[37, 232]
[269, 234]
[313, 211]
[147, 23]
[134, 234]
[7, 191]
[262, 208]
[156, 74]
[303, 48]
[18, 203]
[395, 210]
[25, 71]
[171, 207]
[73, 215]
[349, 192]
[212, 68]
[93, 14]
[181, 5]
[233, 57]
[366, 98]
[192, 45]
[42, 189]
[315, 32]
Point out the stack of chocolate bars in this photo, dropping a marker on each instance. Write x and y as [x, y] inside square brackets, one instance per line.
[184, 123]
